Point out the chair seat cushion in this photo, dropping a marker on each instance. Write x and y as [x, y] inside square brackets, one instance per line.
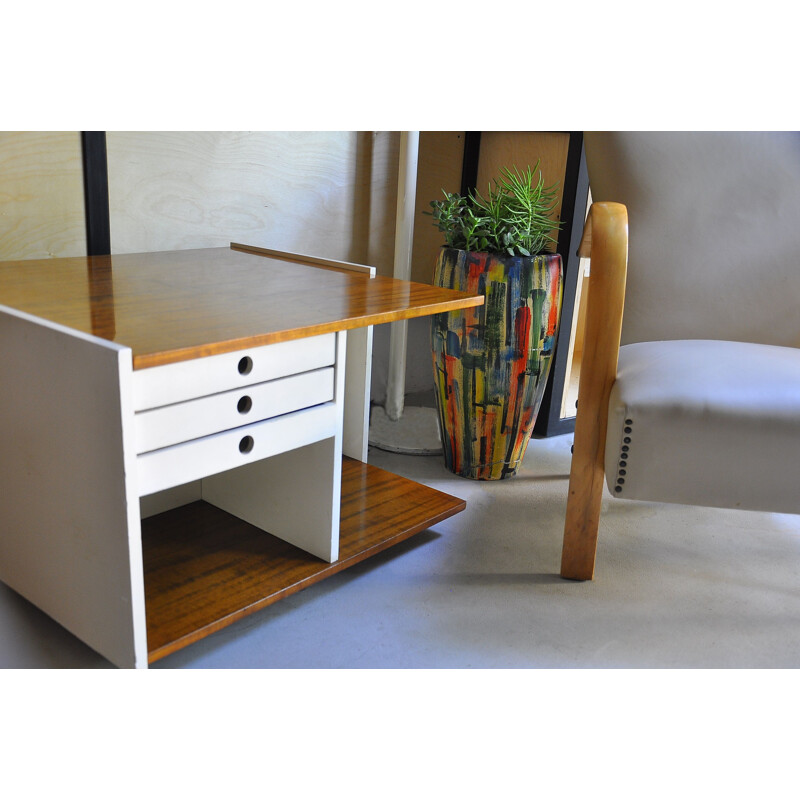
[711, 423]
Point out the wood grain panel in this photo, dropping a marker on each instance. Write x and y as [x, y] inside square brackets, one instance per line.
[324, 193]
[41, 195]
[439, 167]
[205, 569]
[174, 306]
[521, 149]
[374, 229]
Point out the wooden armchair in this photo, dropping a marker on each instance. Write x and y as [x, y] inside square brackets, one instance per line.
[701, 403]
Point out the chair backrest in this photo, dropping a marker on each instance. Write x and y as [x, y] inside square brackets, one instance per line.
[714, 218]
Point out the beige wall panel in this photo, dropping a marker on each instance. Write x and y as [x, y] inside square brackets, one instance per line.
[41, 195]
[374, 225]
[320, 193]
[441, 154]
[521, 149]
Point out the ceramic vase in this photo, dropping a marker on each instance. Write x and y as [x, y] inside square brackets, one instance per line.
[491, 363]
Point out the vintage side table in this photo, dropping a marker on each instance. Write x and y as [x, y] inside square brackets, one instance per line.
[183, 437]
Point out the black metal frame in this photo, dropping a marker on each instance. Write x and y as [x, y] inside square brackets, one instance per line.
[469, 164]
[574, 199]
[95, 193]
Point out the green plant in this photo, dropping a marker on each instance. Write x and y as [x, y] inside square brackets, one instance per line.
[514, 218]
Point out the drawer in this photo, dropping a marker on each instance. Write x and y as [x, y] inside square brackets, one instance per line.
[181, 463]
[186, 380]
[181, 422]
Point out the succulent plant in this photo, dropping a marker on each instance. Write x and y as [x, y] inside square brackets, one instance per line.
[514, 218]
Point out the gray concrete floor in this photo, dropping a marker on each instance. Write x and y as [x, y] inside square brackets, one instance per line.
[675, 587]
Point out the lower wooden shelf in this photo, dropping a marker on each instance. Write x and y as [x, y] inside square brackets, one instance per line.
[204, 568]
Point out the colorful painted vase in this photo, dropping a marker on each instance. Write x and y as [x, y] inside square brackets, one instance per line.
[491, 363]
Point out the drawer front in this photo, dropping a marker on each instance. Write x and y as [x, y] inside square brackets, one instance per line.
[181, 422]
[181, 463]
[187, 380]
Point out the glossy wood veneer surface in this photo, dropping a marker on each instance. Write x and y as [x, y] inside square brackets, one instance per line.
[183, 304]
[205, 569]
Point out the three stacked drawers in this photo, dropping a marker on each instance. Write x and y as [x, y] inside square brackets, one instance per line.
[203, 416]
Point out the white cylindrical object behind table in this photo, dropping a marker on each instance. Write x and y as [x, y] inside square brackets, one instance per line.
[403, 243]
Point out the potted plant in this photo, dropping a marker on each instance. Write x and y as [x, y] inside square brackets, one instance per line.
[491, 362]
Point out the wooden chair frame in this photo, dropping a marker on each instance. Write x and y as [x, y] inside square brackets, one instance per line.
[605, 242]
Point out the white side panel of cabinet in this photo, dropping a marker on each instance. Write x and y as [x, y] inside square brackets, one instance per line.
[357, 386]
[295, 496]
[70, 539]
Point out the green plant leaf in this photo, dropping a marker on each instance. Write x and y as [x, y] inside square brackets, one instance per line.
[515, 214]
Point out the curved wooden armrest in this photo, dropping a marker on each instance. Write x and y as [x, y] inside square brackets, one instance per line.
[605, 241]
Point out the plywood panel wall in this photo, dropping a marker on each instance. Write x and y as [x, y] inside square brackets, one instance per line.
[41, 195]
[521, 149]
[329, 194]
[439, 166]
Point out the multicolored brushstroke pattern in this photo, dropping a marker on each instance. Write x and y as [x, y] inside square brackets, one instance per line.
[491, 363]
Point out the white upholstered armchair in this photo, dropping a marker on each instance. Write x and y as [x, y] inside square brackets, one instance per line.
[701, 403]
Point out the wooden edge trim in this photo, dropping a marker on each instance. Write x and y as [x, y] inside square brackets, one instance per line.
[311, 261]
[157, 359]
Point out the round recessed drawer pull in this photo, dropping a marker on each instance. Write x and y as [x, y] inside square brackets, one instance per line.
[244, 405]
[245, 365]
[246, 444]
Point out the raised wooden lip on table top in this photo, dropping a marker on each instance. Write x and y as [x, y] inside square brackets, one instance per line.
[182, 304]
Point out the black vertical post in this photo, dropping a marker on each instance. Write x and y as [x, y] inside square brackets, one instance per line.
[95, 193]
[549, 421]
[469, 164]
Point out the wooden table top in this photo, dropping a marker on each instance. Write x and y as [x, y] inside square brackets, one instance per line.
[183, 304]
